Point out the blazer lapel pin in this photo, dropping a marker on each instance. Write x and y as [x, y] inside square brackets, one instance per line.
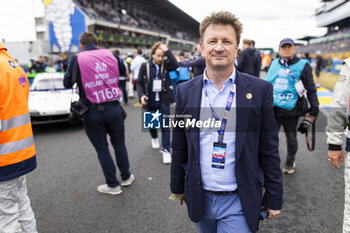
[249, 96]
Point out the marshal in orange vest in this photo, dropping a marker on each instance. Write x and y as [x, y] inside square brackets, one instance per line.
[17, 150]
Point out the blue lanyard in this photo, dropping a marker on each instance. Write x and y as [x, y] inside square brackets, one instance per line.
[285, 63]
[229, 102]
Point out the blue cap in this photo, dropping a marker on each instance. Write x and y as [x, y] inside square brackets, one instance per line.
[286, 41]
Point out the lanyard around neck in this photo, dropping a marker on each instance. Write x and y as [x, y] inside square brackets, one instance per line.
[229, 102]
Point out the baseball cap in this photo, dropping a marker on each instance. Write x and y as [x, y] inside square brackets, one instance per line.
[286, 41]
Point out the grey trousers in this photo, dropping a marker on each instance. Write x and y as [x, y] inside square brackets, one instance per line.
[16, 215]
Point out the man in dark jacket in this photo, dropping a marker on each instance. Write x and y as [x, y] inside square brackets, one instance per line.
[247, 59]
[62, 65]
[291, 78]
[197, 65]
[258, 64]
[38, 66]
[221, 175]
[123, 75]
[156, 91]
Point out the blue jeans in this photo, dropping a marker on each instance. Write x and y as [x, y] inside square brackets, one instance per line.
[222, 214]
[165, 131]
[97, 125]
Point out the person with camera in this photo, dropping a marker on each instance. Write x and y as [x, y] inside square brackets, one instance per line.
[337, 122]
[96, 73]
[156, 91]
[292, 80]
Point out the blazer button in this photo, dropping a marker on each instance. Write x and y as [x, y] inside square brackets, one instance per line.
[198, 182]
[197, 162]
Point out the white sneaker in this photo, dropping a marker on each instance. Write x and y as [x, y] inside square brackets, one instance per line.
[166, 156]
[104, 188]
[155, 143]
[128, 181]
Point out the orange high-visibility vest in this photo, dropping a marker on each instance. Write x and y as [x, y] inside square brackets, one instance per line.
[17, 150]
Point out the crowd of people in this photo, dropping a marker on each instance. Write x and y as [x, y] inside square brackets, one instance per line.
[103, 10]
[332, 43]
[216, 170]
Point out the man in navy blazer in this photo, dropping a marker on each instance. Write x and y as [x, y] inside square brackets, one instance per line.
[221, 177]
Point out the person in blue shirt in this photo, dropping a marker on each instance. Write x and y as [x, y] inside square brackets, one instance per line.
[184, 72]
[220, 173]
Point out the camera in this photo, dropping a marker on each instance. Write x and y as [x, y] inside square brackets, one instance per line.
[73, 118]
[304, 125]
[78, 109]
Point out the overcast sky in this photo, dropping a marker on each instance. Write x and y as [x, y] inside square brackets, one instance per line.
[265, 21]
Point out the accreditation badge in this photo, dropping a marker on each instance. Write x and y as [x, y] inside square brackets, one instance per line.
[300, 88]
[219, 155]
[157, 85]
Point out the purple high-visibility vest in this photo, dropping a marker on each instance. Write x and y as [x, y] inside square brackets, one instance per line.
[99, 75]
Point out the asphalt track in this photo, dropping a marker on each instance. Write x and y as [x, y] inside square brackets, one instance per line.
[64, 198]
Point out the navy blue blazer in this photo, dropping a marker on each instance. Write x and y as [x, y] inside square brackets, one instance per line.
[257, 157]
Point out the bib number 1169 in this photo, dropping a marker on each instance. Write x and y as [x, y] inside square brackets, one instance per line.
[106, 94]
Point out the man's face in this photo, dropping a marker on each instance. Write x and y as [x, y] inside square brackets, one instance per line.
[287, 51]
[63, 56]
[245, 46]
[219, 46]
[158, 56]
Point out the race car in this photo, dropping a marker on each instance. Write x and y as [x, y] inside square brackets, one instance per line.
[49, 101]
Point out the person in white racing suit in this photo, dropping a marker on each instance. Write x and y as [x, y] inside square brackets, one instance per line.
[337, 122]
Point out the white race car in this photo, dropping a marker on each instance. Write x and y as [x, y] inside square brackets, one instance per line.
[49, 101]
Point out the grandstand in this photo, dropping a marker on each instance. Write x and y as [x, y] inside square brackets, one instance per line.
[126, 24]
[119, 24]
[335, 45]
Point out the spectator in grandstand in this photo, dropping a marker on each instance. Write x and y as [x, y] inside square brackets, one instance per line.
[38, 66]
[258, 64]
[155, 91]
[284, 73]
[319, 66]
[220, 175]
[247, 60]
[123, 75]
[197, 65]
[337, 121]
[135, 69]
[184, 72]
[62, 65]
[96, 73]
